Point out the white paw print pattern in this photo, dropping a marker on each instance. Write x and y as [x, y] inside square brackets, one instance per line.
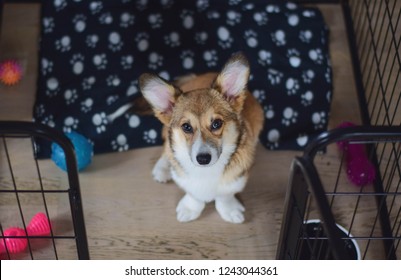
[260, 18]
[88, 82]
[126, 20]
[307, 98]
[120, 144]
[77, 62]
[111, 99]
[100, 122]
[115, 42]
[201, 37]
[79, 22]
[100, 61]
[269, 112]
[155, 20]
[308, 76]
[187, 19]
[141, 4]
[225, 40]
[63, 44]
[70, 124]
[210, 58]
[251, 38]
[49, 120]
[142, 41]
[106, 18]
[305, 36]
[302, 140]
[273, 9]
[273, 138]
[40, 110]
[95, 7]
[294, 58]
[134, 121]
[187, 58]
[290, 116]
[292, 86]
[48, 24]
[150, 136]
[70, 96]
[293, 19]
[274, 76]
[264, 57]
[155, 60]
[316, 55]
[47, 66]
[319, 119]
[92, 40]
[86, 105]
[172, 39]
[59, 4]
[279, 38]
[113, 81]
[259, 94]
[127, 61]
[132, 88]
[202, 5]
[83, 47]
[52, 87]
[233, 17]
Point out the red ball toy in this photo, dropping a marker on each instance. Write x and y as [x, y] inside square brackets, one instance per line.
[10, 72]
[38, 226]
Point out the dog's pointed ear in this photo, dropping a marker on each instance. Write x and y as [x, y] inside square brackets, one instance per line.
[233, 79]
[160, 94]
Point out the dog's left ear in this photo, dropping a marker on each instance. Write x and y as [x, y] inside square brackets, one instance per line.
[233, 79]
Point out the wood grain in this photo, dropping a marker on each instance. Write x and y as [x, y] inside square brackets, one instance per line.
[127, 214]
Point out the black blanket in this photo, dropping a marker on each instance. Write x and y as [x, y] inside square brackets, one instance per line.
[92, 52]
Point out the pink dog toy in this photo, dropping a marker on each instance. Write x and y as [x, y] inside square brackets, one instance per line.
[38, 226]
[14, 245]
[360, 170]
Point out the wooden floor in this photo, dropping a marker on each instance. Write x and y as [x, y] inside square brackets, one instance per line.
[127, 214]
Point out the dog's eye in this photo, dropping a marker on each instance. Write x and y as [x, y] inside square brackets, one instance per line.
[187, 128]
[216, 124]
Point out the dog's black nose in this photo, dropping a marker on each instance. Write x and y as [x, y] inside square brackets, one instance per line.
[203, 159]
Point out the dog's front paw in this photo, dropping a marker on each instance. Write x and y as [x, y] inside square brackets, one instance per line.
[230, 210]
[161, 172]
[189, 209]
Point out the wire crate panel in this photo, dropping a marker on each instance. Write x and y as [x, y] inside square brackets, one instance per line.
[29, 187]
[356, 221]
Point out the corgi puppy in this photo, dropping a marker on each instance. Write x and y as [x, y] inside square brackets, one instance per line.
[211, 128]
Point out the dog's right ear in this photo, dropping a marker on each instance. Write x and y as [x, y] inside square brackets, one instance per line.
[160, 94]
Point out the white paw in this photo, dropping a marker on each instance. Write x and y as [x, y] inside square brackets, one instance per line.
[189, 209]
[231, 210]
[161, 172]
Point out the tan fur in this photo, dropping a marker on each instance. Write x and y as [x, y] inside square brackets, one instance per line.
[211, 127]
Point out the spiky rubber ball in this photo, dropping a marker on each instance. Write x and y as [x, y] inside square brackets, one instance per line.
[10, 72]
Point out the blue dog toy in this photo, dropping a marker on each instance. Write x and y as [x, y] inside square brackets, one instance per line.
[83, 152]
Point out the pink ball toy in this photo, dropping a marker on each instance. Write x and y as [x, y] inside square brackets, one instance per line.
[360, 170]
[39, 225]
[14, 245]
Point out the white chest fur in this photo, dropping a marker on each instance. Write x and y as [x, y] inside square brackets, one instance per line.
[207, 183]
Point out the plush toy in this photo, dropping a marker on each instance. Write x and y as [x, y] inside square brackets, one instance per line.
[10, 72]
[83, 151]
[360, 170]
[16, 243]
